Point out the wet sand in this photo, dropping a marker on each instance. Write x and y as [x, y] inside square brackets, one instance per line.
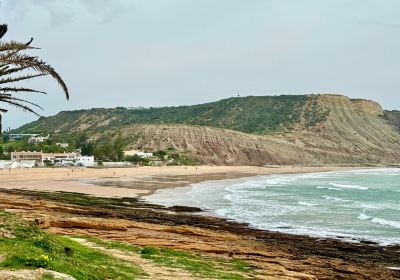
[133, 182]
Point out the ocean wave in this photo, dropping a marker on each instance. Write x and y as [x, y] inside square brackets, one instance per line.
[364, 217]
[372, 206]
[349, 186]
[335, 198]
[307, 203]
[393, 224]
[380, 221]
[328, 188]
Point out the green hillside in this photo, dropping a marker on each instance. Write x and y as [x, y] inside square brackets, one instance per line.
[252, 114]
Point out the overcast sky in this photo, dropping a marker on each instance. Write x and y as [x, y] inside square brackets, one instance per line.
[174, 52]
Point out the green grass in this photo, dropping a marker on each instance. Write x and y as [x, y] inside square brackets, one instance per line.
[47, 276]
[27, 246]
[216, 268]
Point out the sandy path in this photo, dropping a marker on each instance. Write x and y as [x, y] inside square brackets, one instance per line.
[154, 271]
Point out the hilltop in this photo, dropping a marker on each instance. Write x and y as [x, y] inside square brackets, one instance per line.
[254, 130]
[251, 114]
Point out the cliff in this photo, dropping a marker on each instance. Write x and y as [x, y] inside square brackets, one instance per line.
[310, 130]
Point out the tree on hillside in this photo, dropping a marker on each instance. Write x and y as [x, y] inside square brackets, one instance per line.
[17, 66]
[119, 145]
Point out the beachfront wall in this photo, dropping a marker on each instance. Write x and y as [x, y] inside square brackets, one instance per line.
[7, 164]
[117, 164]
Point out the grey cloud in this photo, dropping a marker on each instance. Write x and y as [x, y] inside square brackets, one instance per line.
[62, 12]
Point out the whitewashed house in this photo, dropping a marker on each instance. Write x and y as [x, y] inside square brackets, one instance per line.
[87, 161]
[38, 139]
[63, 145]
[139, 153]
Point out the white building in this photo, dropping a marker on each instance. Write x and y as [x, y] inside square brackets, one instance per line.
[138, 153]
[20, 136]
[59, 159]
[63, 145]
[38, 139]
[87, 161]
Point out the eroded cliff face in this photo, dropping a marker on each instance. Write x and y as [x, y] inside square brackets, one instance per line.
[355, 128]
[393, 119]
[344, 131]
[368, 107]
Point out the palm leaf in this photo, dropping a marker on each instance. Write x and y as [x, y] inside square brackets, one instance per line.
[3, 29]
[16, 67]
[36, 64]
[20, 90]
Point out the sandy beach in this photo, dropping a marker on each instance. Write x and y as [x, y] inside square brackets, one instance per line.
[133, 182]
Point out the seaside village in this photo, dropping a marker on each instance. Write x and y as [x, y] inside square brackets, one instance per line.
[29, 159]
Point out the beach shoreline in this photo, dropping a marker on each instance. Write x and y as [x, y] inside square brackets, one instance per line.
[61, 210]
[138, 181]
[136, 222]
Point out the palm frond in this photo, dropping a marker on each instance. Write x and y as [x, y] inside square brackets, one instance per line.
[20, 90]
[36, 64]
[16, 66]
[3, 29]
[7, 70]
[22, 106]
[16, 99]
[12, 46]
[20, 78]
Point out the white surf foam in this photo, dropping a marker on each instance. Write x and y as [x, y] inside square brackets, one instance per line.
[307, 203]
[335, 198]
[349, 186]
[393, 224]
[364, 217]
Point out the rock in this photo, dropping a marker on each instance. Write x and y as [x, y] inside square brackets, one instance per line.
[43, 222]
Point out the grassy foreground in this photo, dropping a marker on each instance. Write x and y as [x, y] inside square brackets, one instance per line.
[23, 245]
[215, 268]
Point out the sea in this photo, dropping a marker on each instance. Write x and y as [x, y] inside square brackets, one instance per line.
[356, 205]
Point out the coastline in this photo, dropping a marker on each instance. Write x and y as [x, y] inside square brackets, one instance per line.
[275, 255]
[135, 182]
[94, 212]
[331, 197]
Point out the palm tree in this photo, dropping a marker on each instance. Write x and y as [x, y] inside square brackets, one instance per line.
[16, 66]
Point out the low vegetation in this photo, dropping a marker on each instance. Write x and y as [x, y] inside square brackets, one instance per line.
[23, 245]
[17, 146]
[215, 268]
[251, 114]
